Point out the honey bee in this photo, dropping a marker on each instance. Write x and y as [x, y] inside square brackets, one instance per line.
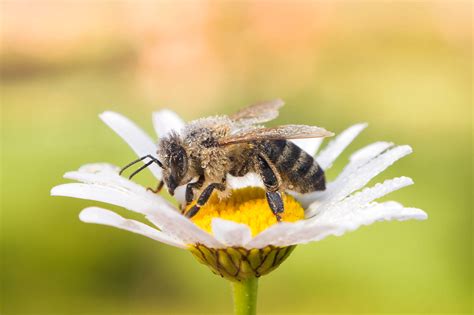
[202, 154]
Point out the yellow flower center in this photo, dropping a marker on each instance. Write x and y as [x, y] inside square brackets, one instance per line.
[248, 206]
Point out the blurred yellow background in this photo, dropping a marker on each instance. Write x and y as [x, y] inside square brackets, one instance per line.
[405, 67]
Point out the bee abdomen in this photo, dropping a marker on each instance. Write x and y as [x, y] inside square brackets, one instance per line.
[298, 170]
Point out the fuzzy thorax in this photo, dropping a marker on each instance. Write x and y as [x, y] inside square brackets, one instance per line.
[248, 206]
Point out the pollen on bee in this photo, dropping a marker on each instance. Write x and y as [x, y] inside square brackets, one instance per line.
[248, 206]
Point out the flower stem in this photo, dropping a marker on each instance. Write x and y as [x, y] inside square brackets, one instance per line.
[245, 296]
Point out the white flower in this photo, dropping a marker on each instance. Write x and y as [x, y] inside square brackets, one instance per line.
[344, 206]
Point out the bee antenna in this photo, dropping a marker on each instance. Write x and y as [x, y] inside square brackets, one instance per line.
[153, 160]
[140, 169]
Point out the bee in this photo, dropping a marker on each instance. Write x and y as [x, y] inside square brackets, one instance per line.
[205, 151]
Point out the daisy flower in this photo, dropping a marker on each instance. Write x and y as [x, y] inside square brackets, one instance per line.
[238, 237]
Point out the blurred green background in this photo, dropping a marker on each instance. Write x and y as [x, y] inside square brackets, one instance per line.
[404, 67]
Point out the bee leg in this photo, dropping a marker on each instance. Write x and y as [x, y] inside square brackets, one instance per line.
[157, 189]
[204, 197]
[191, 186]
[271, 182]
[276, 203]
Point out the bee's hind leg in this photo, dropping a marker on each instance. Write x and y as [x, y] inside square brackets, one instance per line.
[203, 198]
[272, 184]
[276, 203]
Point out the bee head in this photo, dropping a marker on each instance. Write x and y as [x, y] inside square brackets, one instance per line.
[174, 159]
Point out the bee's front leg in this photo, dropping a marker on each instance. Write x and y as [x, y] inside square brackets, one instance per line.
[204, 197]
[272, 184]
[190, 189]
[157, 189]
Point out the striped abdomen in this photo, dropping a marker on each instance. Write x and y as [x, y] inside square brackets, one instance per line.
[298, 170]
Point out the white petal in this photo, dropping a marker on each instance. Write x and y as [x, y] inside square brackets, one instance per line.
[161, 214]
[274, 233]
[104, 184]
[230, 233]
[165, 121]
[180, 194]
[363, 197]
[330, 153]
[249, 180]
[358, 173]
[119, 197]
[316, 232]
[94, 168]
[106, 175]
[369, 152]
[285, 234]
[344, 220]
[135, 137]
[379, 190]
[311, 146]
[106, 217]
[353, 217]
[309, 201]
[180, 227]
[312, 200]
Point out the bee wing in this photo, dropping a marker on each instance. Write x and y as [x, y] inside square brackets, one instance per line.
[276, 133]
[257, 113]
